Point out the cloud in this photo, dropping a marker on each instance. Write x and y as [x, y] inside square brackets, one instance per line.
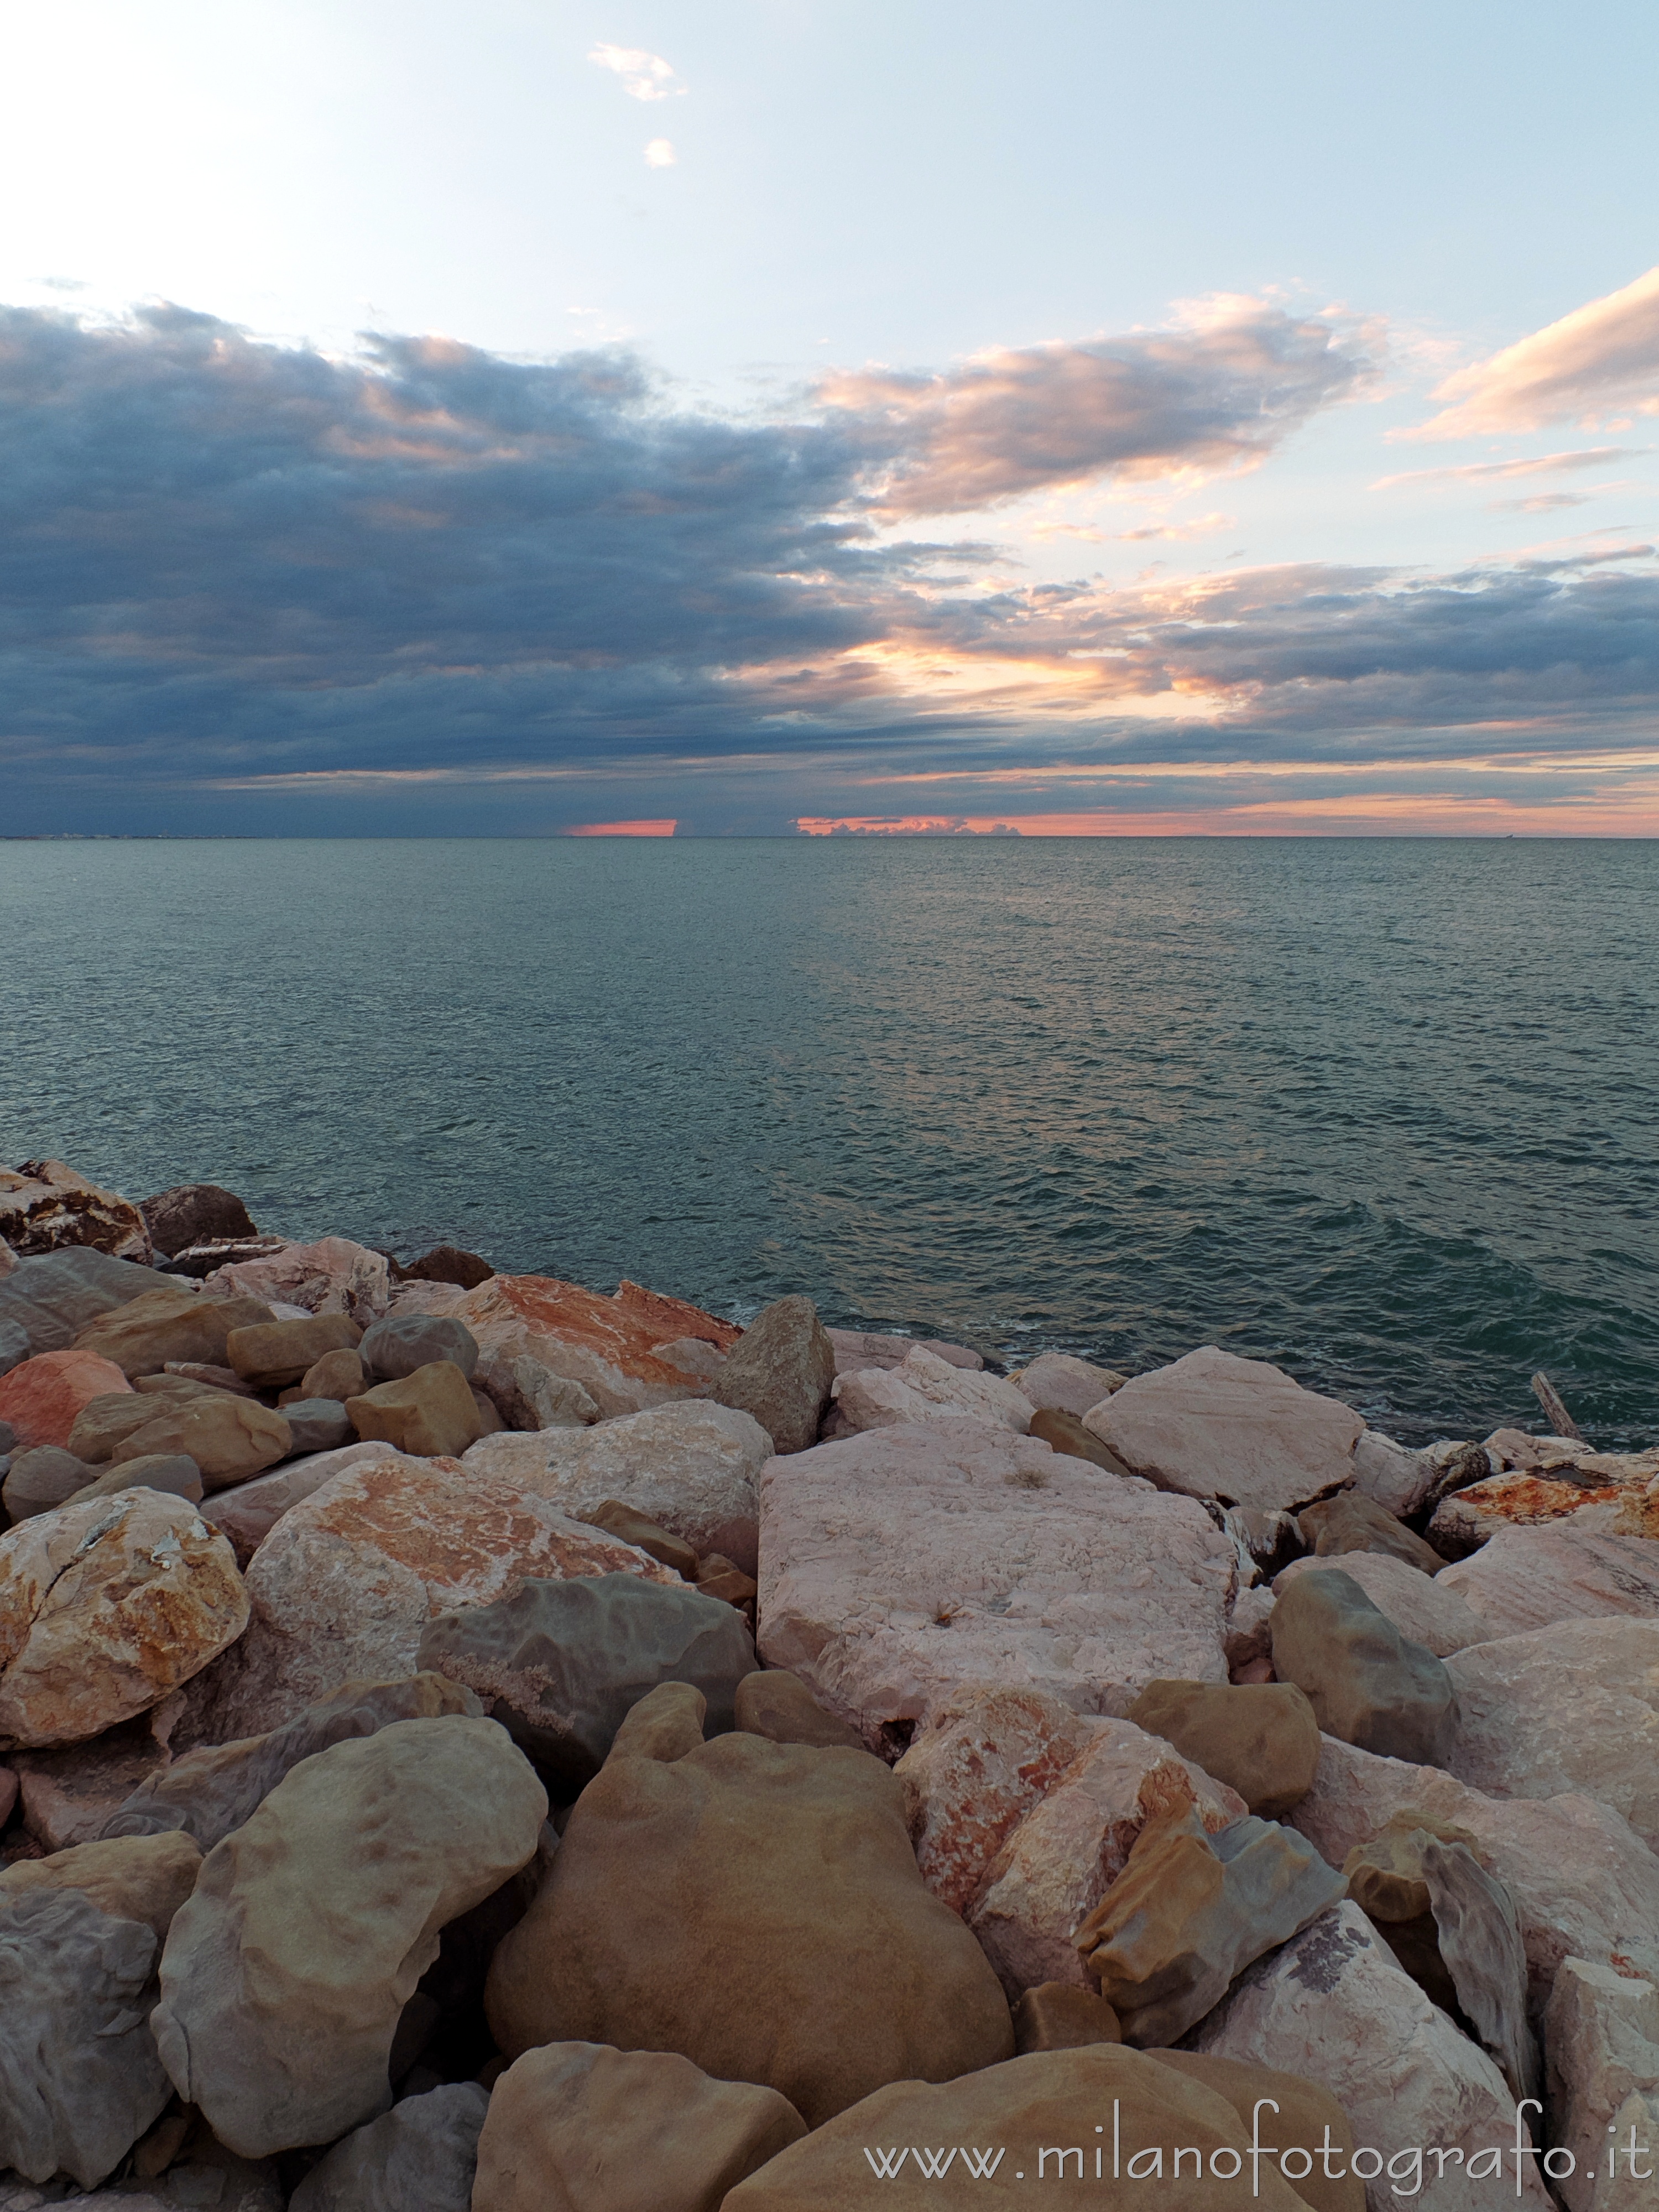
[1598, 362]
[1217, 393]
[1545, 503]
[659, 154]
[644, 76]
[1589, 457]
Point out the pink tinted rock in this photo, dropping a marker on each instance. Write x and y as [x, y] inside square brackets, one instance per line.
[1526, 1578]
[1214, 1425]
[248, 1513]
[45, 1204]
[856, 1348]
[41, 1396]
[605, 1346]
[1067, 1385]
[333, 1275]
[925, 1388]
[899, 1566]
[669, 1321]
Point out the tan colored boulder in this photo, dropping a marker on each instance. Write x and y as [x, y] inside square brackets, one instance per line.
[1303, 2114]
[40, 1398]
[332, 1276]
[228, 1438]
[923, 1388]
[1351, 1522]
[1057, 1381]
[45, 1206]
[428, 1414]
[1060, 2016]
[277, 1352]
[587, 2128]
[621, 1520]
[1427, 1609]
[142, 1878]
[781, 1707]
[1065, 1432]
[1214, 1425]
[754, 1906]
[1529, 1578]
[104, 1422]
[68, 1796]
[1366, 1682]
[284, 1975]
[780, 1372]
[105, 1609]
[174, 1472]
[169, 1324]
[609, 1347]
[1259, 1738]
[339, 1374]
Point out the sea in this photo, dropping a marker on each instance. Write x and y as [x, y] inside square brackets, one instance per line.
[1385, 1112]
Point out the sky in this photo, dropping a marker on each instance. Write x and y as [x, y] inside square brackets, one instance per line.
[773, 415]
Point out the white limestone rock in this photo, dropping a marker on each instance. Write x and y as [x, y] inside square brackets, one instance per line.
[1057, 1381]
[1396, 1479]
[1527, 1579]
[1602, 2041]
[924, 1387]
[1420, 1606]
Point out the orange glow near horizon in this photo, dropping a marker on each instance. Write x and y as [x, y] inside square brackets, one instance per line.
[658, 828]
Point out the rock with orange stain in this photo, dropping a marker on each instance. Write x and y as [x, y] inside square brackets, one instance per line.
[670, 1319]
[105, 1609]
[610, 1345]
[45, 1204]
[41, 1397]
[345, 1584]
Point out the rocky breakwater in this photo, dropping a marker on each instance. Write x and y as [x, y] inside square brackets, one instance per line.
[472, 1743]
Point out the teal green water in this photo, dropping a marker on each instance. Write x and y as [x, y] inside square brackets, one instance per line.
[1383, 1111]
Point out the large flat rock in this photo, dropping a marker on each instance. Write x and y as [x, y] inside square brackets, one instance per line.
[1527, 1579]
[611, 1347]
[899, 1566]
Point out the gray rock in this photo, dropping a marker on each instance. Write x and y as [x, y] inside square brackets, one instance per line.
[318, 1425]
[1424, 1607]
[1479, 1933]
[402, 1342]
[1367, 1683]
[7, 1438]
[1397, 1479]
[779, 1370]
[14, 1347]
[41, 1479]
[82, 2081]
[566, 1661]
[194, 1213]
[419, 2157]
[1353, 1523]
[175, 1473]
[53, 1297]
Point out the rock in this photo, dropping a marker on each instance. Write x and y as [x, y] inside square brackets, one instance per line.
[606, 1345]
[1190, 1910]
[861, 1347]
[1214, 1425]
[666, 1319]
[51, 1299]
[717, 1578]
[528, 1395]
[142, 1878]
[40, 1398]
[1570, 1707]
[140, 1338]
[780, 1372]
[1393, 1477]
[331, 1276]
[194, 1213]
[318, 1425]
[1335, 2007]
[593, 2130]
[1425, 1611]
[1306, 2117]
[780, 1707]
[1267, 1541]
[1527, 1579]
[338, 1375]
[631, 1528]
[280, 1351]
[565, 1661]
[1262, 1740]
[68, 1796]
[1353, 1523]
[428, 1413]
[45, 1204]
[925, 1388]
[1601, 2031]
[208, 1794]
[1583, 1882]
[1057, 2017]
[82, 2081]
[344, 1586]
[104, 1422]
[309, 1928]
[174, 1473]
[445, 1263]
[201, 1372]
[228, 1438]
[1463, 1523]
[897, 1566]
[693, 1468]
[419, 2157]
[1055, 1381]
[1010, 2121]
[1479, 1933]
[198, 1261]
[41, 1479]
[105, 1609]
[8, 1794]
[756, 1907]
[1250, 1634]
[1065, 1432]
[247, 1514]
[402, 1342]
[1367, 1683]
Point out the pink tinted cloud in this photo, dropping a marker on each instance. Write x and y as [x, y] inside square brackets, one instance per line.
[1541, 464]
[1599, 361]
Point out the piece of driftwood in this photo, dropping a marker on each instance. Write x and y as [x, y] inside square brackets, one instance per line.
[1560, 1420]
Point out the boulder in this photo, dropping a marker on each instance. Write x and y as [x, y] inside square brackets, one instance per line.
[924, 1389]
[897, 1567]
[780, 1707]
[1214, 1425]
[344, 1586]
[428, 1413]
[210, 1793]
[41, 1479]
[779, 1372]
[444, 1263]
[141, 1337]
[1573, 1706]
[332, 1276]
[318, 1425]
[1334, 2006]
[339, 1374]
[1601, 2031]
[1395, 1478]
[1353, 1522]
[45, 1204]
[1058, 2016]
[1583, 1882]
[1463, 1523]
[1528, 1578]
[606, 1345]
[284, 1975]
[1267, 1541]
[1306, 2117]
[565, 1661]
[754, 1906]
[1366, 1682]
[666, 1319]
[194, 1213]
[68, 1796]
[694, 1469]
[105, 1609]
[280, 1352]
[419, 2157]
[1426, 1611]
[1261, 1740]
[1057, 1381]
[528, 1395]
[142, 1878]
[82, 2080]
[631, 1528]
[51, 1299]
[176, 1473]
[104, 1422]
[228, 1438]
[864, 1347]
[1065, 1432]
[589, 2129]
[40, 1398]
[1191, 1909]
[404, 1342]
[248, 1513]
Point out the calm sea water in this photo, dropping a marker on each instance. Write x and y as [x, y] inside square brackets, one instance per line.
[1382, 1111]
